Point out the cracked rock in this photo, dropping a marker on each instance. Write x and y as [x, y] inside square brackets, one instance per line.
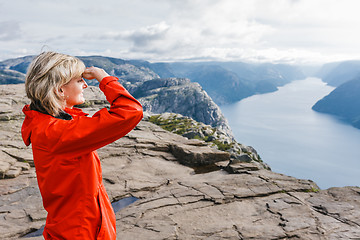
[235, 200]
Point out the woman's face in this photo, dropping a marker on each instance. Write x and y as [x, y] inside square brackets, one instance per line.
[73, 92]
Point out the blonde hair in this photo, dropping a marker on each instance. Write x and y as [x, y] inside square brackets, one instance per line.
[44, 78]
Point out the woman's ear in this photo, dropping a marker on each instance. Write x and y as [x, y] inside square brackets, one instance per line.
[60, 92]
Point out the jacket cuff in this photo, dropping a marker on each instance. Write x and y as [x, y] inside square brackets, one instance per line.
[106, 80]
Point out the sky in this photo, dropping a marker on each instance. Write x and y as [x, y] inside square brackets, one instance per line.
[277, 31]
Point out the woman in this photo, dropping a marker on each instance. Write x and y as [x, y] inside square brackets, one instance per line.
[64, 140]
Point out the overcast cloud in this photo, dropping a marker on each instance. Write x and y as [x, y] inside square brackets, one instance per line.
[291, 31]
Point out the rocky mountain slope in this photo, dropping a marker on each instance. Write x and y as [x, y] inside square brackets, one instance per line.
[179, 95]
[338, 73]
[343, 102]
[214, 137]
[237, 200]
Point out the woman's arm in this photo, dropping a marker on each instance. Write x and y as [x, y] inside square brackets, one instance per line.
[71, 138]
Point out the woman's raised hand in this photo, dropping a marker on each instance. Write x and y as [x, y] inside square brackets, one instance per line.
[94, 73]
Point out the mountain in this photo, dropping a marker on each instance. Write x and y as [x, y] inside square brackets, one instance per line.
[228, 82]
[343, 102]
[162, 69]
[222, 85]
[12, 71]
[157, 95]
[278, 74]
[225, 82]
[126, 71]
[338, 73]
[8, 76]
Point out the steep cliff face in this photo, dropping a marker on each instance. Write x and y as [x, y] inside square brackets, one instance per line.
[179, 95]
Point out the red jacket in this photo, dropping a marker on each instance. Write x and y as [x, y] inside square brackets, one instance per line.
[68, 168]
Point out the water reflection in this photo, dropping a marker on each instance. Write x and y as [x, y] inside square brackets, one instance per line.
[118, 205]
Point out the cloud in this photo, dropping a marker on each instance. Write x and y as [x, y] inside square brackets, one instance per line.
[254, 30]
[140, 38]
[9, 30]
[193, 28]
[144, 36]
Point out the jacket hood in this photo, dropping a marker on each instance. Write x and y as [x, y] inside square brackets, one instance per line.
[27, 125]
[32, 118]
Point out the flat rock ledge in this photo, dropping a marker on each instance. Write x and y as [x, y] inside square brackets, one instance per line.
[211, 197]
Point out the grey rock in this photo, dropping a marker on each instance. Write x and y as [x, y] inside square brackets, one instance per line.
[236, 200]
[207, 131]
[22, 165]
[13, 172]
[4, 167]
[243, 158]
[197, 156]
[20, 155]
[241, 167]
[193, 134]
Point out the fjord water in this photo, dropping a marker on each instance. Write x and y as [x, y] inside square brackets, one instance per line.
[295, 140]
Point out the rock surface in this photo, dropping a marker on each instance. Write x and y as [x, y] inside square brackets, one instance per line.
[237, 200]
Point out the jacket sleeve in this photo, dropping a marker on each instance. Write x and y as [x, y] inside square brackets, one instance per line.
[85, 134]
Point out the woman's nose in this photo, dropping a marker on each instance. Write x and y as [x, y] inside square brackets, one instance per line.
[85, 84]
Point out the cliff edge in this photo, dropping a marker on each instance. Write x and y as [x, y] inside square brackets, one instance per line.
[237, 200]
